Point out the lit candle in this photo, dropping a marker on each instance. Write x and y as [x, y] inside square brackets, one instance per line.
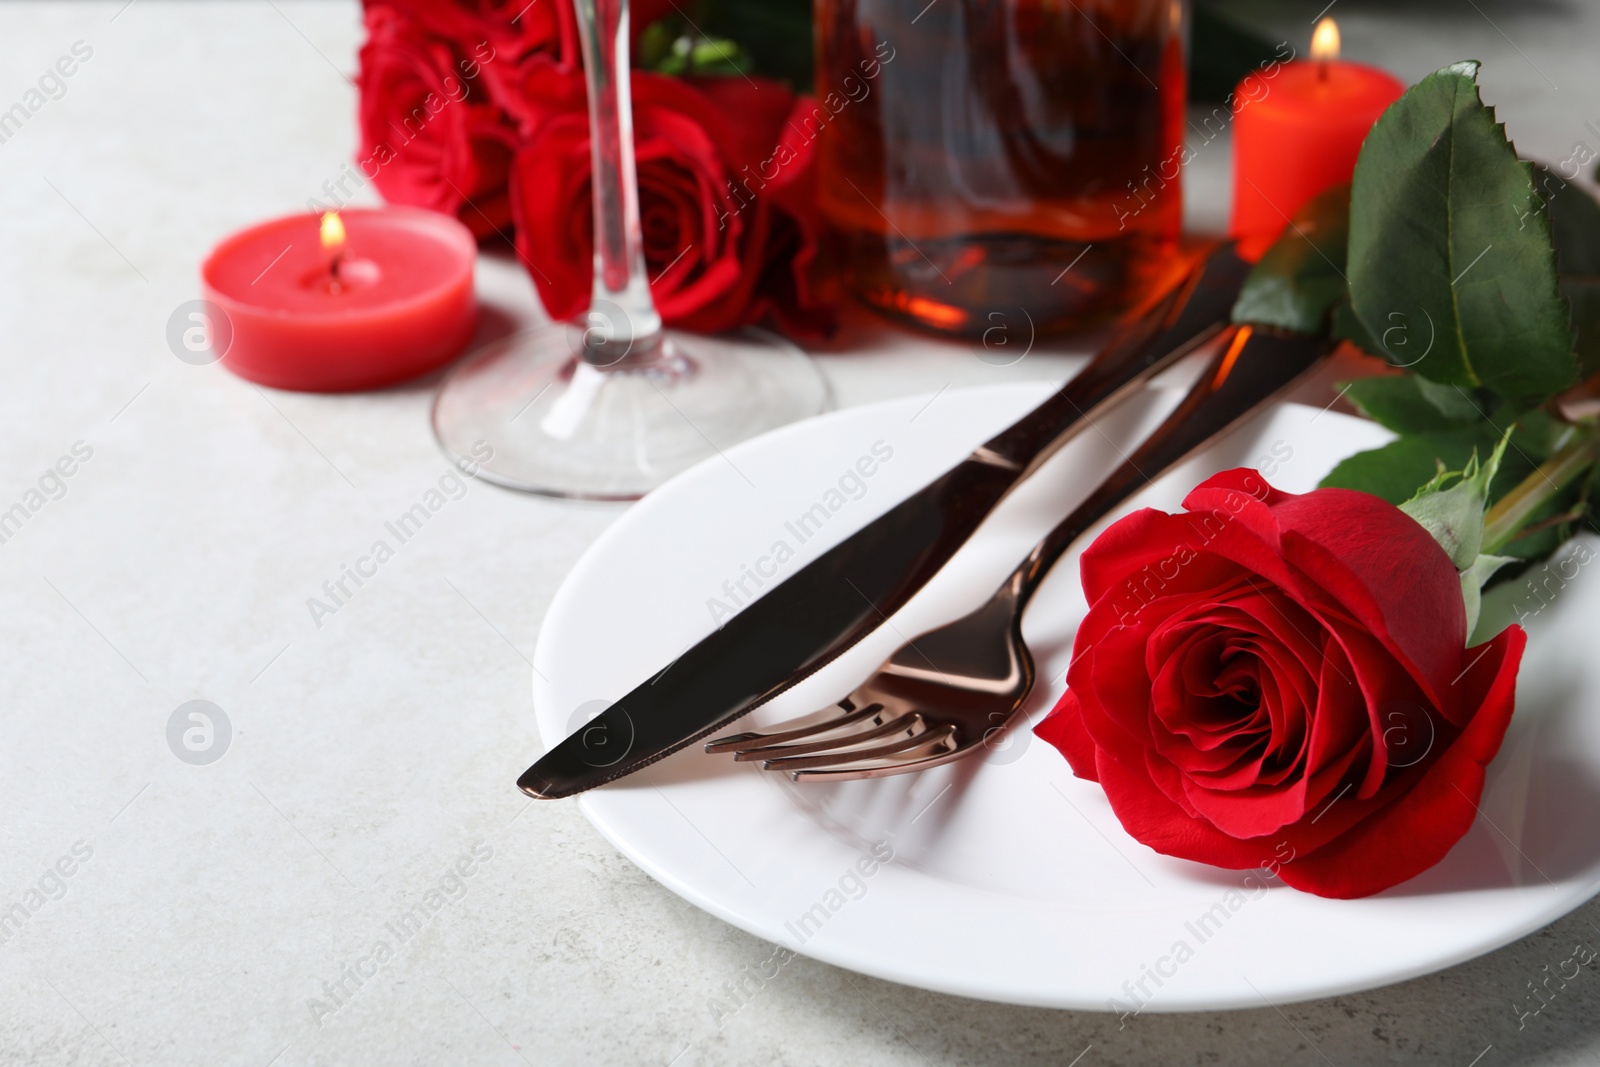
[343, 302]
[1299, 132]
[330, 232]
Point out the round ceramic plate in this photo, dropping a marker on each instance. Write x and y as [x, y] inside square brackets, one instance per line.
[1004, 877]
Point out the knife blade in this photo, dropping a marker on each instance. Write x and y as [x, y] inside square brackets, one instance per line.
[803, 623]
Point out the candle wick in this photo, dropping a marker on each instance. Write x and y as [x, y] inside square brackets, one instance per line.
[336, 283]
[1322, 70]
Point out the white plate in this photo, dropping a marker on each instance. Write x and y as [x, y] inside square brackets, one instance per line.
[1011, 880]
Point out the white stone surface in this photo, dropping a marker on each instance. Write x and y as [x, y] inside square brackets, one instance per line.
[370, 753]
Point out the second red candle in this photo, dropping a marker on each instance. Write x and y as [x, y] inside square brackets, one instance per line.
[1300, 133]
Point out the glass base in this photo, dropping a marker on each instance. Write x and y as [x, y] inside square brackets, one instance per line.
[526, 413]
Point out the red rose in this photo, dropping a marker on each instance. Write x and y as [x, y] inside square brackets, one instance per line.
[429, 136]
[1281, 681]
[511, 28]
[724, 198]
[515, 28]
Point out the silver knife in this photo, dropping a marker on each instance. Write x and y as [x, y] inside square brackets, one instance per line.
[801, 624]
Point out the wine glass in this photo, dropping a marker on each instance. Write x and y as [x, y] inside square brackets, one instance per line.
[610, 406]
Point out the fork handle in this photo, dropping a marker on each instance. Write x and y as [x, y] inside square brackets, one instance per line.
[1176, 323]
[1253, 365]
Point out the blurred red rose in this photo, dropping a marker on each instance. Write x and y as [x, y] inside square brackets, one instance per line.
[513, 29]
[1282, 681]
[430, 136]
[724, 198]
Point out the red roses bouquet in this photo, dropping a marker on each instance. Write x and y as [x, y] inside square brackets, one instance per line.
[478, 109]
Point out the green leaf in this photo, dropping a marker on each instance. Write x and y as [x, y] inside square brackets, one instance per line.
[1541, 543]
[1538, 432]
[1346, 327]
[654, 44]
[1447, 240]
[1473, 579]
[1574, 221]
[1462, 405]
[1454, 516]
[1394, 471]
[1407, 404]
[1575, 225]
[1297, 282]
[719, 56]
[775, 33]
[1583, 297]
[668, 46]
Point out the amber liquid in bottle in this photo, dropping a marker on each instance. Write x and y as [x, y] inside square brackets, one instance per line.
[1005, 164]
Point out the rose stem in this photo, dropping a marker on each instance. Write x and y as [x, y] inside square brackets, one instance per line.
[1504, 522]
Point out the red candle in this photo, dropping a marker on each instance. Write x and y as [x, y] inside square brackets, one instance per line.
[1299, 133]
[342, 302]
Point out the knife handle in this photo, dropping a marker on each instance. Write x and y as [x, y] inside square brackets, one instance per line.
[1180, 321]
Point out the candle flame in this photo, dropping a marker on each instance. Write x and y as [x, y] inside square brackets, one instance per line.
[1325, 40]
[332, 232]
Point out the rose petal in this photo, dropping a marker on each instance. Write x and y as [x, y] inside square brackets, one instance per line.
[1145, 555]
[1361, 552]
[1420, 826]
[1156, 820]
[1063, 728]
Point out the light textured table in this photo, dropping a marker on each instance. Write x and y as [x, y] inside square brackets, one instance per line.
[208, 905]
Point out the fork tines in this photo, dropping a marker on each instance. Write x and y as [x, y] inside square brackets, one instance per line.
[861, 737]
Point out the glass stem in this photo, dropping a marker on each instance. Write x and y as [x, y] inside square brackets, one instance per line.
[623, 326]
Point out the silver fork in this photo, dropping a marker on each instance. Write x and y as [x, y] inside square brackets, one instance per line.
[944, 694]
